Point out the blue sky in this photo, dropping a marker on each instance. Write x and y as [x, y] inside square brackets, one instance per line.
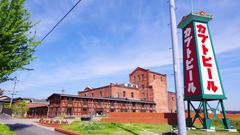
[103, 41]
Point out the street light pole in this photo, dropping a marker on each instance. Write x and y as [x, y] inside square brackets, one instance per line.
[177, 72]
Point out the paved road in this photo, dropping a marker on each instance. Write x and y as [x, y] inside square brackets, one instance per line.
[26, 127]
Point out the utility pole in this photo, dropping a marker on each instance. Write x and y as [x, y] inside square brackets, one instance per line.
[13, 91]
[177, 72]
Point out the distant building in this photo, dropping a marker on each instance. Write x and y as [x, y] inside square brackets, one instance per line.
[37, 107]
[146, 92]
[4, 104]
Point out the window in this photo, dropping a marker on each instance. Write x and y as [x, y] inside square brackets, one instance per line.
[132, 95]
[69, 111]
[123, 110]
[85, 102]
[69, 100]
[172, 98]
[161, 78]
[139, 78]
[134, 77]
[134, 104]
[85, 95]
[112, 110]
[100, 93]
[142, 76]
[143, 86]
[143, 110]
[92, 94]
[99, 102]
[124, 93]
[84, 109]
[112, 103]
[154, 77]
[142, 105]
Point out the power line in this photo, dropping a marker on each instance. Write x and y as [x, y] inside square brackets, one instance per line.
[61, 20]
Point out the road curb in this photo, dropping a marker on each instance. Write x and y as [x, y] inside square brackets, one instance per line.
[66, 131]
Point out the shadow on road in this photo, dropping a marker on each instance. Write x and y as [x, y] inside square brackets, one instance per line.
[18, 126]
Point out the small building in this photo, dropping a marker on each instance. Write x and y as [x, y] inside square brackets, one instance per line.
[37, 107]
[37, 110]
[4, 105]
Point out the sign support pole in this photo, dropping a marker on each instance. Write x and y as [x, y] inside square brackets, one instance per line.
[177, 73]
[226, 121]
[207, 122]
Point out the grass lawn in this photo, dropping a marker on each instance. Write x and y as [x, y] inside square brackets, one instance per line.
[94, 128]
[4, 130]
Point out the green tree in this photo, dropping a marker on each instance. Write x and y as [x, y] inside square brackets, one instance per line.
[20, 108]
[17, 42]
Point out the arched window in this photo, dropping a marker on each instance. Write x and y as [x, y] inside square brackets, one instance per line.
[132, 95]
[100, 93]
[142, 76]
[124, 93]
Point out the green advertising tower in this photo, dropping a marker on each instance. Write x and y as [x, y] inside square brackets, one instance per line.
[202, 81]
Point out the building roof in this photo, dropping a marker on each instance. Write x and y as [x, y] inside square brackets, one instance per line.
[32, 100]
[21, 98]
[170, 92]
[30, 105]
[5, 99]
[40, 101]
[146, 70]
[101, 98]
[126, 85]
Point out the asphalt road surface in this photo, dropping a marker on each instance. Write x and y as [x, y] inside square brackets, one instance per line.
[25, 127]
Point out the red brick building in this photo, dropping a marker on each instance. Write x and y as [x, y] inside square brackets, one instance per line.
[146, 92]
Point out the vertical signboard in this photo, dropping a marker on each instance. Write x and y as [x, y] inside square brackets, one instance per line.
[202, 81]
[211, 82]
[201, 76]
[191, 76]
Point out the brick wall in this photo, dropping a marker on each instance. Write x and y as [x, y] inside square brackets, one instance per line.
[153, 87]
[113, 91]
[147, 118]
[172, 102]
[97, 92]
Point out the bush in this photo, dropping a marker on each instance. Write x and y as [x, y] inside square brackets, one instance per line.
[92, 126]
[4, 130]
[236, 124]
[20, 108]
